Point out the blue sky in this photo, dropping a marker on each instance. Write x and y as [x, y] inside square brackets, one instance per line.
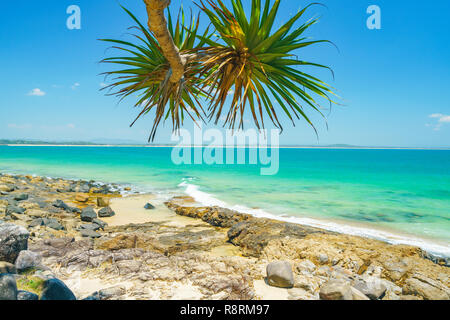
[393, 81]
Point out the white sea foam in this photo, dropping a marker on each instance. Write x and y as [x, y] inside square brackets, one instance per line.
[427, 245]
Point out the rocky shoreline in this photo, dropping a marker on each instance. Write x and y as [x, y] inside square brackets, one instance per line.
[56, 244]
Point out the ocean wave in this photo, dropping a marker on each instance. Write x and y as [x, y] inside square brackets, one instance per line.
[427, 245]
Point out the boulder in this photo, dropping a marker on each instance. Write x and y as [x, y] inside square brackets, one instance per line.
[87, 233]
[336, 290]
[306, 266]
[55, 225]
[21, 197]
[88, 214]
[55, 289]
[106, 212]
[61, 205]
[102, 202]
[13, 239]
[6, 267]
[27, 260]
[74, 210]
[279, 274]
[101, 223]
[15, 209]
[84, 188]
[149, 206]
[110, 293]
[8, 287]
[36, 223]
[25, 295]
[372, 287]
[90, 226]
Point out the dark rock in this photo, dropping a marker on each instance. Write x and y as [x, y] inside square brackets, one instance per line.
[279, 274]
[61, 205]
[149, 206]
[88, 214]
[90, 226]
[443, 261]
[21, 197]
[14, 209]
[28, 260]
[36, 222]
[42, 204]
[25, 295]
[55, 289]
[13, 239]
[55, 226]
[84, 188]
[75, 210]
[87, 233]
[111, 293]
[106, 212]
[101, 223]
[8, 287]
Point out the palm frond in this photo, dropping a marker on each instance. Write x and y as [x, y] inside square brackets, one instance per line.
[147, 72]
[257, 61]
[249, 58]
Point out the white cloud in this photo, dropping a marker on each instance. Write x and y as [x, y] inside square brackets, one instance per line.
[445, 119]
[36, 92]
[75, 85]
[102, 84]
[71, 126]
[441, 120]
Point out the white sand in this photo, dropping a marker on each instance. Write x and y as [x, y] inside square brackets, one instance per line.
[131, 210]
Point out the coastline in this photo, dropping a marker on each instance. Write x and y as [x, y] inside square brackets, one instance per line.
[434, 247]
[180, 249]
[250, 147]
[431, 245]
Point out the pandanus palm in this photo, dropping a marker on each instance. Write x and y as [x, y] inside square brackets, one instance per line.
[175, 68]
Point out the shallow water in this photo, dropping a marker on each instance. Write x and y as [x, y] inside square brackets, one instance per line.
[371, 192]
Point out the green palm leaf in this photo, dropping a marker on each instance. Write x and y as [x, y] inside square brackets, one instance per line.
[247, 55]
[147, 73]
[254, 59]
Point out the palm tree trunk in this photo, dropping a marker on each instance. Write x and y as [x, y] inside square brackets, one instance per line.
[157, 23]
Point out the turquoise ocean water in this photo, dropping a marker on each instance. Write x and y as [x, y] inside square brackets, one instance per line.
[400, 196]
